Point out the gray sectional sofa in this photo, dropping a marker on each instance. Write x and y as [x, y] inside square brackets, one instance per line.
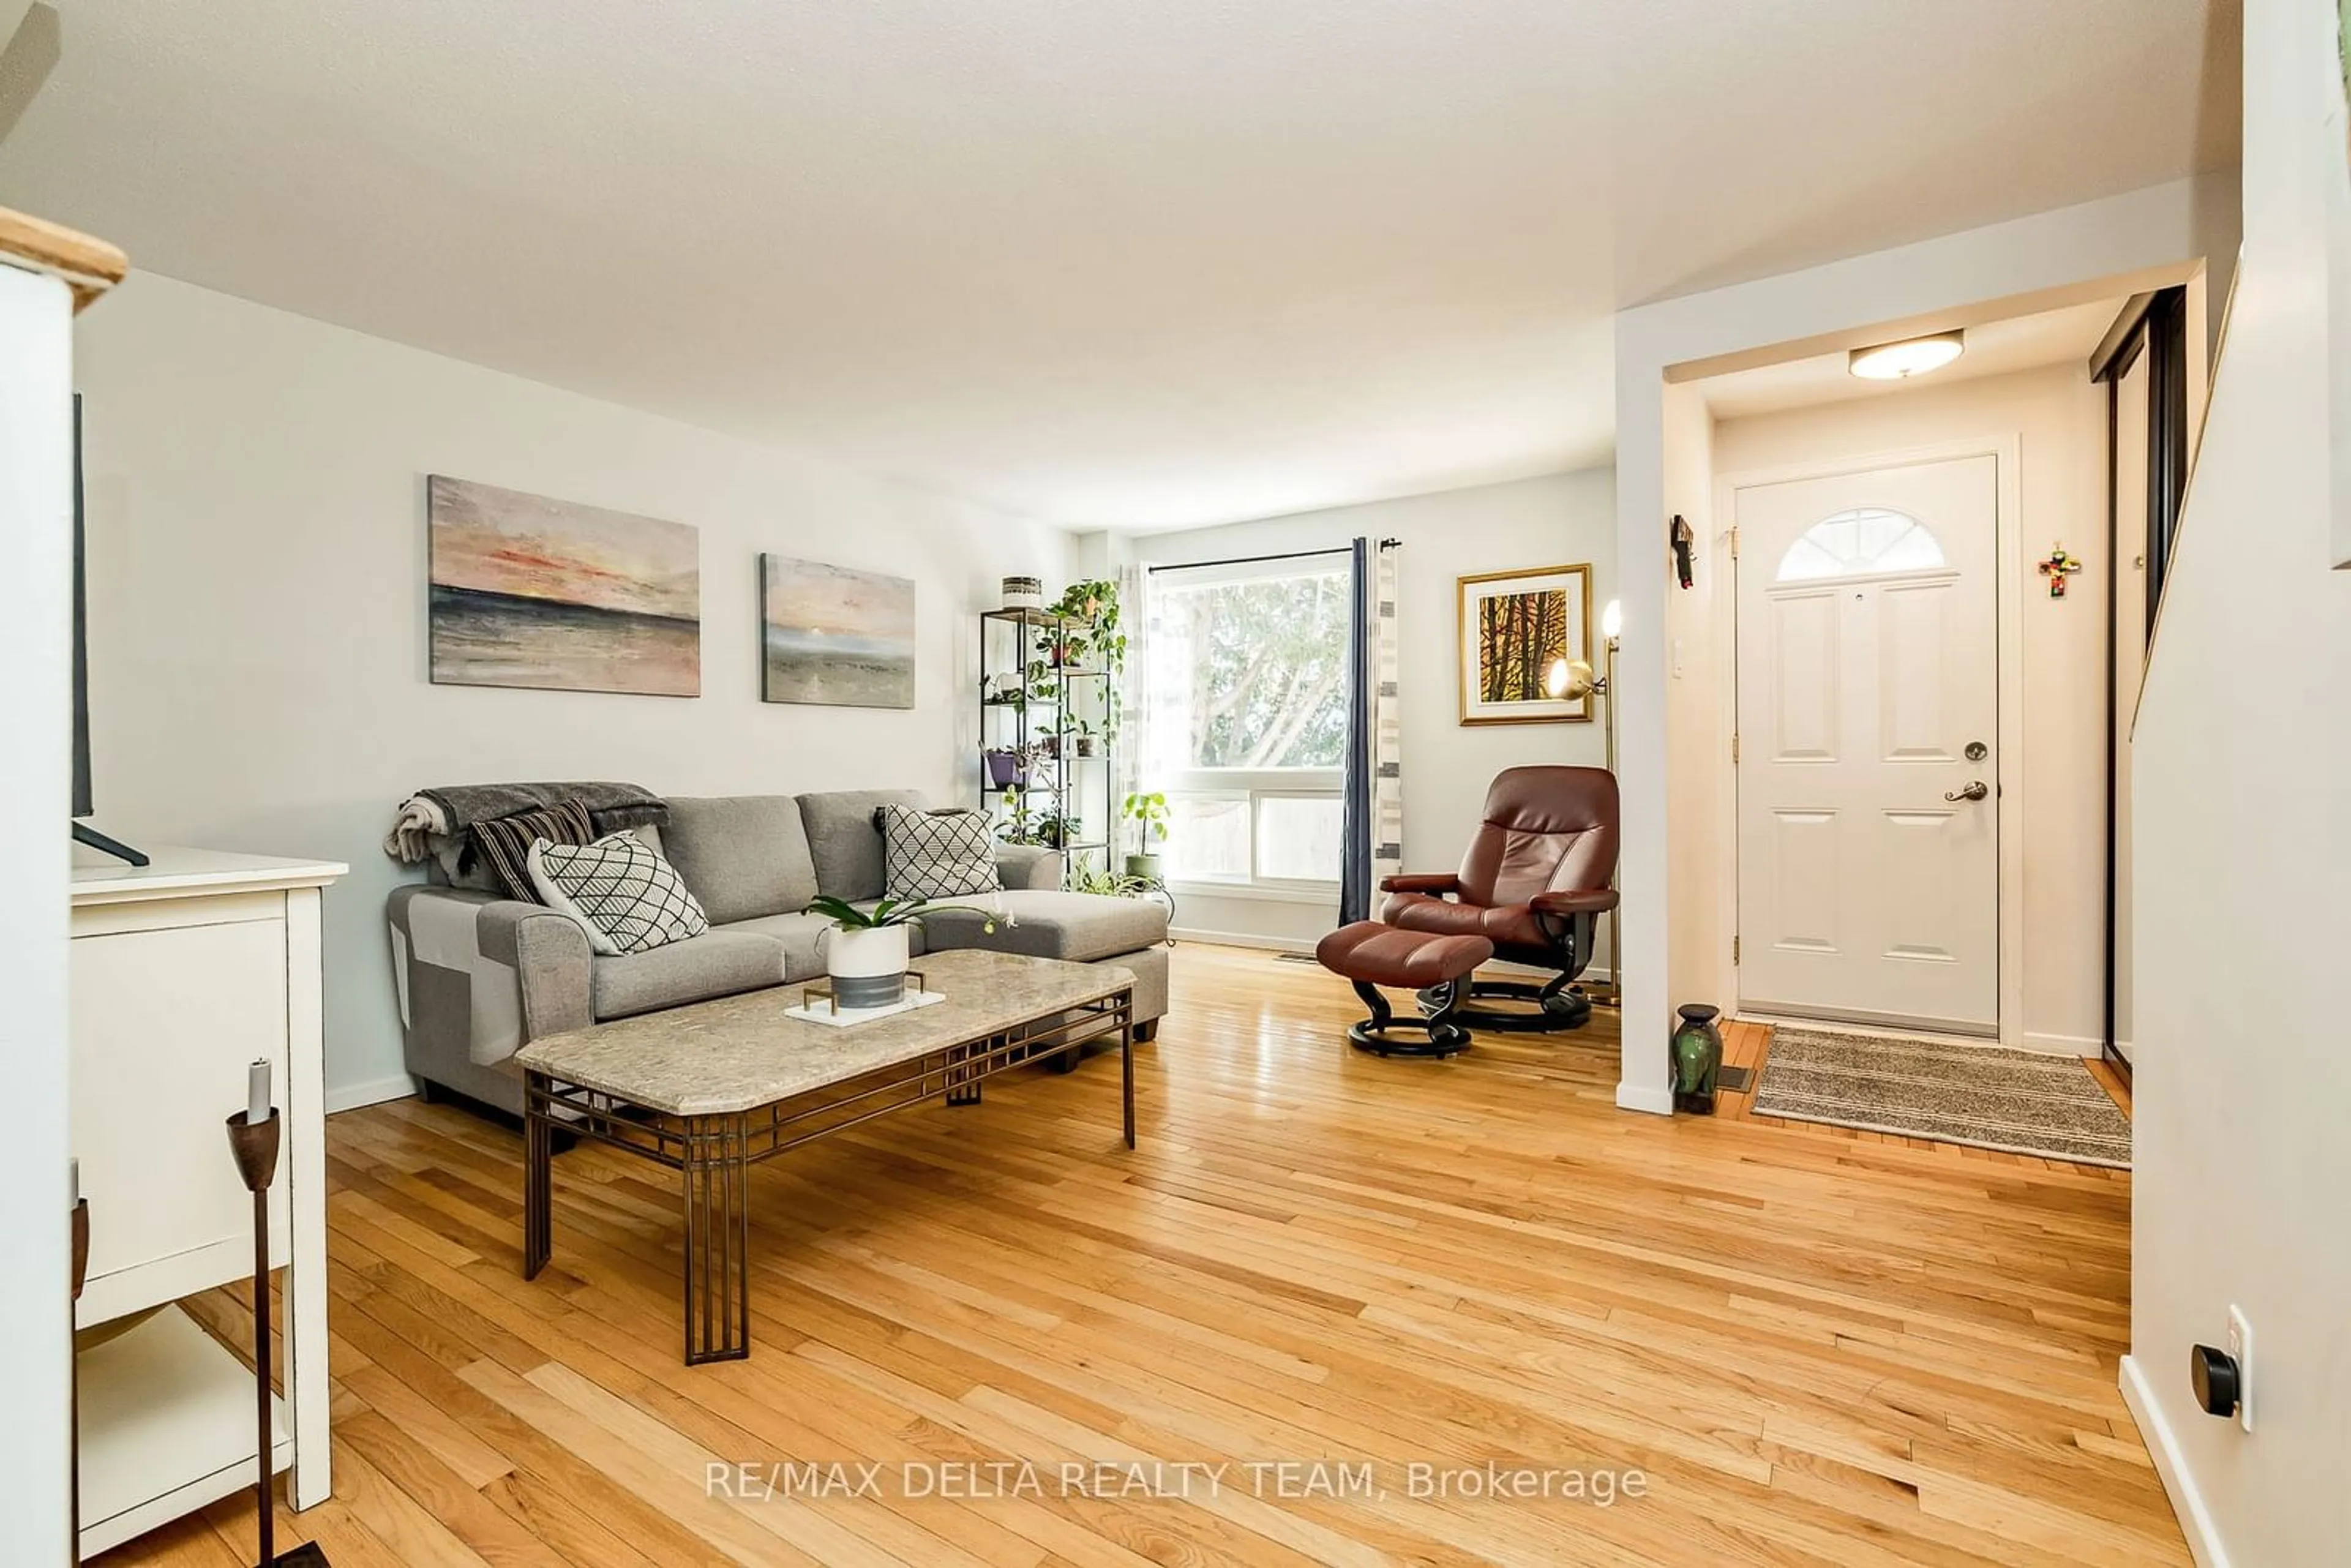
[477, 976]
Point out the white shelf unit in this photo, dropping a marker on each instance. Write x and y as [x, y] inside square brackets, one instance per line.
[183, 972]
[167, 1426]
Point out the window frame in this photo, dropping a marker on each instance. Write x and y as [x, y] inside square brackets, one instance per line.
[1857, 571]
[1253, 785]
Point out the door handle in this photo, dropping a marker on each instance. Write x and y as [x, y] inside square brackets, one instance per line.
[1976, 789]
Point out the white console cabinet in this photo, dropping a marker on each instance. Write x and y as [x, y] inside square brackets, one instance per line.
[183, 972]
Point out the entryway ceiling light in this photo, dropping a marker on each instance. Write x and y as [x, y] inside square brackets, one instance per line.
[1910, 357]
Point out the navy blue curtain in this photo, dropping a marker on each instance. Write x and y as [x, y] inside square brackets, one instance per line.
[1355, 863]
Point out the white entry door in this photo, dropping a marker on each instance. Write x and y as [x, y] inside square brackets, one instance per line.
[1869, 747]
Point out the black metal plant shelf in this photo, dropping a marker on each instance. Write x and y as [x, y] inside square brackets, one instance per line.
[1012, 663]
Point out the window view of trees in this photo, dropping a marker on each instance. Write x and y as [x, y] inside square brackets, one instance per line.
[1520, 637]
[1252, 674]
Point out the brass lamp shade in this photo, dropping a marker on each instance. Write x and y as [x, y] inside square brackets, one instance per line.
[1569, 679]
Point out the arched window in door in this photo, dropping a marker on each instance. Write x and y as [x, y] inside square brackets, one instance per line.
[1862, 542]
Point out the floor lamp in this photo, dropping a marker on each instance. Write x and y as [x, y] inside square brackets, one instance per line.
[1570, 679]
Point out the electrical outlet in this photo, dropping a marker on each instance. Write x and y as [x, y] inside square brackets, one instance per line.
[2240, 1346]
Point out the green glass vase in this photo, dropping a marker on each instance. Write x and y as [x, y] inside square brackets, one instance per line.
[1697, 1059]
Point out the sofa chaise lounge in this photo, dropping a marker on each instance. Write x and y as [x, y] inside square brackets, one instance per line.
[477, 976]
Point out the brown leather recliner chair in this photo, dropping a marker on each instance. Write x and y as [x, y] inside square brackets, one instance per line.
[1533, 883]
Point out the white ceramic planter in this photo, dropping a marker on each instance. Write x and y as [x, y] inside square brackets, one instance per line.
[867, 968]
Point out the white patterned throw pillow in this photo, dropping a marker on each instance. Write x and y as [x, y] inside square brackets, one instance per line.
[936, 854]
[627, 898]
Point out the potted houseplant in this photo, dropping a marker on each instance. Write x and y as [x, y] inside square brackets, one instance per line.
[1105, 884]
[1040, 686]
[866, 951]
[1010, 767]
[1089, 637]
[1050, 829]
[1087, 601]
[1151, 811]
[1083, 742]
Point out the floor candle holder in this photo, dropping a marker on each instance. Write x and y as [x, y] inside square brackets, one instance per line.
[78, 1225]
[253, 1141]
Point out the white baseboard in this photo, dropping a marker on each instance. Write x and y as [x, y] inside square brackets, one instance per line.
[1658, 1102]
[2058, 1044]
[1242, 939]
[1306, 945]
[375, 1092]
[2187, 1502]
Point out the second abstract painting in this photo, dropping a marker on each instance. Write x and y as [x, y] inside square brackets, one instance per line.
[834, 635]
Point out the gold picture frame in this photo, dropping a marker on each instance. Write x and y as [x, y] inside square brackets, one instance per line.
[1510, 629]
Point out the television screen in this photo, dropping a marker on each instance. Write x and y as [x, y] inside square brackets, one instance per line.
[81, 806]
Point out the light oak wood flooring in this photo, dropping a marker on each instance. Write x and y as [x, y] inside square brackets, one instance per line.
[1815, 1347]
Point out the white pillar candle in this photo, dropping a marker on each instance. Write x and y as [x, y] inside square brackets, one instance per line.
[256, 1093]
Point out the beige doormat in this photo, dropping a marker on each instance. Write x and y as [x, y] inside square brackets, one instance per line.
[1983, 1097]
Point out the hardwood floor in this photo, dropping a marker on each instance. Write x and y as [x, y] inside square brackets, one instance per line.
[1815, 1347]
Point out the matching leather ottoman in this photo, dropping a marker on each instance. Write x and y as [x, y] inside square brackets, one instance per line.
[1373, 953]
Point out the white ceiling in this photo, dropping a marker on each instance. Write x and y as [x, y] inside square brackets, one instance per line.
[1138, 265]
[1993, 349]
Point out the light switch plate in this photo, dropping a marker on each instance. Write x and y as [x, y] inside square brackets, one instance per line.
[2241, 1346]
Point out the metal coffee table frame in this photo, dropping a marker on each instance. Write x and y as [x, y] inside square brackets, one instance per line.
[714, 1153]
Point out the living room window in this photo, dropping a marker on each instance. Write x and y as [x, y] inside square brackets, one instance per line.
[1248, 730]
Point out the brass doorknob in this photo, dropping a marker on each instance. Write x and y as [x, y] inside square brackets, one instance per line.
[1976, 789]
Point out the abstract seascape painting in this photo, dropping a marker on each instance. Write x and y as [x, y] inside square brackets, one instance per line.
[529, 592]
[835, 636]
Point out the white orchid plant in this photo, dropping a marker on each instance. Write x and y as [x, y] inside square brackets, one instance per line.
[848, 916]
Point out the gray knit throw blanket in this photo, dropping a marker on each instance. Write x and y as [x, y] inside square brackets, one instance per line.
[444, 814]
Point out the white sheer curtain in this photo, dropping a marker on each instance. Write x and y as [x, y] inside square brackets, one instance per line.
[1132, 757]
[1388, 722]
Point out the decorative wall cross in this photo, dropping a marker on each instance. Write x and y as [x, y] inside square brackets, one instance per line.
[2057, 569]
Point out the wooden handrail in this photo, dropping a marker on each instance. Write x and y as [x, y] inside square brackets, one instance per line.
[90, 266]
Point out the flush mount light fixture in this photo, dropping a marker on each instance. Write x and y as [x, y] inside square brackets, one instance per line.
[1910, 357]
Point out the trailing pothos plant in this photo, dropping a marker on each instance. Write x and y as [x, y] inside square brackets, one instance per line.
[1089, 638]
[1107, 883]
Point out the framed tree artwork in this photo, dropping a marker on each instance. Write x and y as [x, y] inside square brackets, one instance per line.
[1518, 629]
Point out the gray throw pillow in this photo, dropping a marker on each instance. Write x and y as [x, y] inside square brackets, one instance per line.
[937, 855]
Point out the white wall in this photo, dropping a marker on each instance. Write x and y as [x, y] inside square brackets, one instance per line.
[1696, 767]
[2242, 848]
[257, 632]
[1559, 519]
[2058, 417]
[2068, 255]
[36, 717]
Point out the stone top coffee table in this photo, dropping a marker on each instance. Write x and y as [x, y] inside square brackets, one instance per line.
[712, 1088]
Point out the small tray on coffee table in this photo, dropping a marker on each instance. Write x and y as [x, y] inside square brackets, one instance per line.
[820, 1005]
